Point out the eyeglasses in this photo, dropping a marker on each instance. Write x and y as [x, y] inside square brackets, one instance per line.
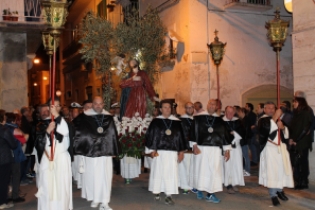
[189, 107]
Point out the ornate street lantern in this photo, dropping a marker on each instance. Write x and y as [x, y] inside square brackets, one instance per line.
[217, 51]
[54, 14]
[277, 34]
[48, 42]
[277, 31]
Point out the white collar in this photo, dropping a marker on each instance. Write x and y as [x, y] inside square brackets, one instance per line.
[172, 117]
[187, 116]
[226, 119]
[265, 116]
[91, 112]
[207, 113]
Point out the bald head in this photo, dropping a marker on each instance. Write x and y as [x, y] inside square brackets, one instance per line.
[189, 108]
[212, 106]
[98, 104]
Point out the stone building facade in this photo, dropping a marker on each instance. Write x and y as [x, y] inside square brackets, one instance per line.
[19, 41]
[248, 70]
[303, 41]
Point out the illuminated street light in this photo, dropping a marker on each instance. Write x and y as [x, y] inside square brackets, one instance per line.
[44, 78]
[217, 52]
[35, 84]
[58, 93]
[36, 61]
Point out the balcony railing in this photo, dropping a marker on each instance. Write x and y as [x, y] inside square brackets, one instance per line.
[20, 10]
[252, 5]
[259, 2]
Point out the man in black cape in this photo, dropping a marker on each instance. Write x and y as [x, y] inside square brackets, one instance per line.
[96, 141]
[166, 143]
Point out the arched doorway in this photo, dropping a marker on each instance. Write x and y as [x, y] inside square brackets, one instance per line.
[263, 93]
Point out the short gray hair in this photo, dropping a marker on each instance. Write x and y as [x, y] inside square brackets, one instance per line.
[269, 103]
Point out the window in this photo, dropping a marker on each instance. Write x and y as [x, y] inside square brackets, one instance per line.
[101, 9]
[69, 94]
[89, 92]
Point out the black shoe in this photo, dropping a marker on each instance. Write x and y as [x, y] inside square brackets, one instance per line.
[253, 163]
[275, 201]
[302, 187]
[18, 200]
[282, 196]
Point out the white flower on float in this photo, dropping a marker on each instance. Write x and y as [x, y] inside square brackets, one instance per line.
[137, 114]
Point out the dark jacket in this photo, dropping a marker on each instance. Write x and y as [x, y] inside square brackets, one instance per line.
[219, 137]
[247, 136]
[7, 144]
[18, 152]
[252, 120]
[300, 129]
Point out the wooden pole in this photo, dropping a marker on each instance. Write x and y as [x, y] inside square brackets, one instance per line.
[52, 95]
[278, 88]
[218, 83]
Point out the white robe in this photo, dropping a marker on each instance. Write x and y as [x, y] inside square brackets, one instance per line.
[184, 166]
[164, 172]
[233, 169]
[97, 174]
[147, 162]
[97, 179]
[275, 166]
[55, 182]
[130, 167]
[77, 176]
[206, 171]
[183, 172]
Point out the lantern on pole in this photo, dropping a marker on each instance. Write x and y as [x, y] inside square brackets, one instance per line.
[48, 42]
[277, 34]
[54, 13]
[217, 51]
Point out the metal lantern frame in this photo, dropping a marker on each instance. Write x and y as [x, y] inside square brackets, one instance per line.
[217, 50]
[277, 34]
[55, 13]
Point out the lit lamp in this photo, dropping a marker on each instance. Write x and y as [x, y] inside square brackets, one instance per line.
[217, 51]
[277, 34]
[54, 13]
[58, 93]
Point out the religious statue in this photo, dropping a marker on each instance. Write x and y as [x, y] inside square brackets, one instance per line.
[133, 97]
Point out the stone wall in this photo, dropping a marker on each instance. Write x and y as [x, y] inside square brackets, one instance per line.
[303, 40]
[249, 61]
[13, 71]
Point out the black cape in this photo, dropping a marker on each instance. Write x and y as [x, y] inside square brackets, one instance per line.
[264, 126]
[88, 142]
[156, 139]
[186, 124]
[237, 126]
[40, 136]
[199, 131]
